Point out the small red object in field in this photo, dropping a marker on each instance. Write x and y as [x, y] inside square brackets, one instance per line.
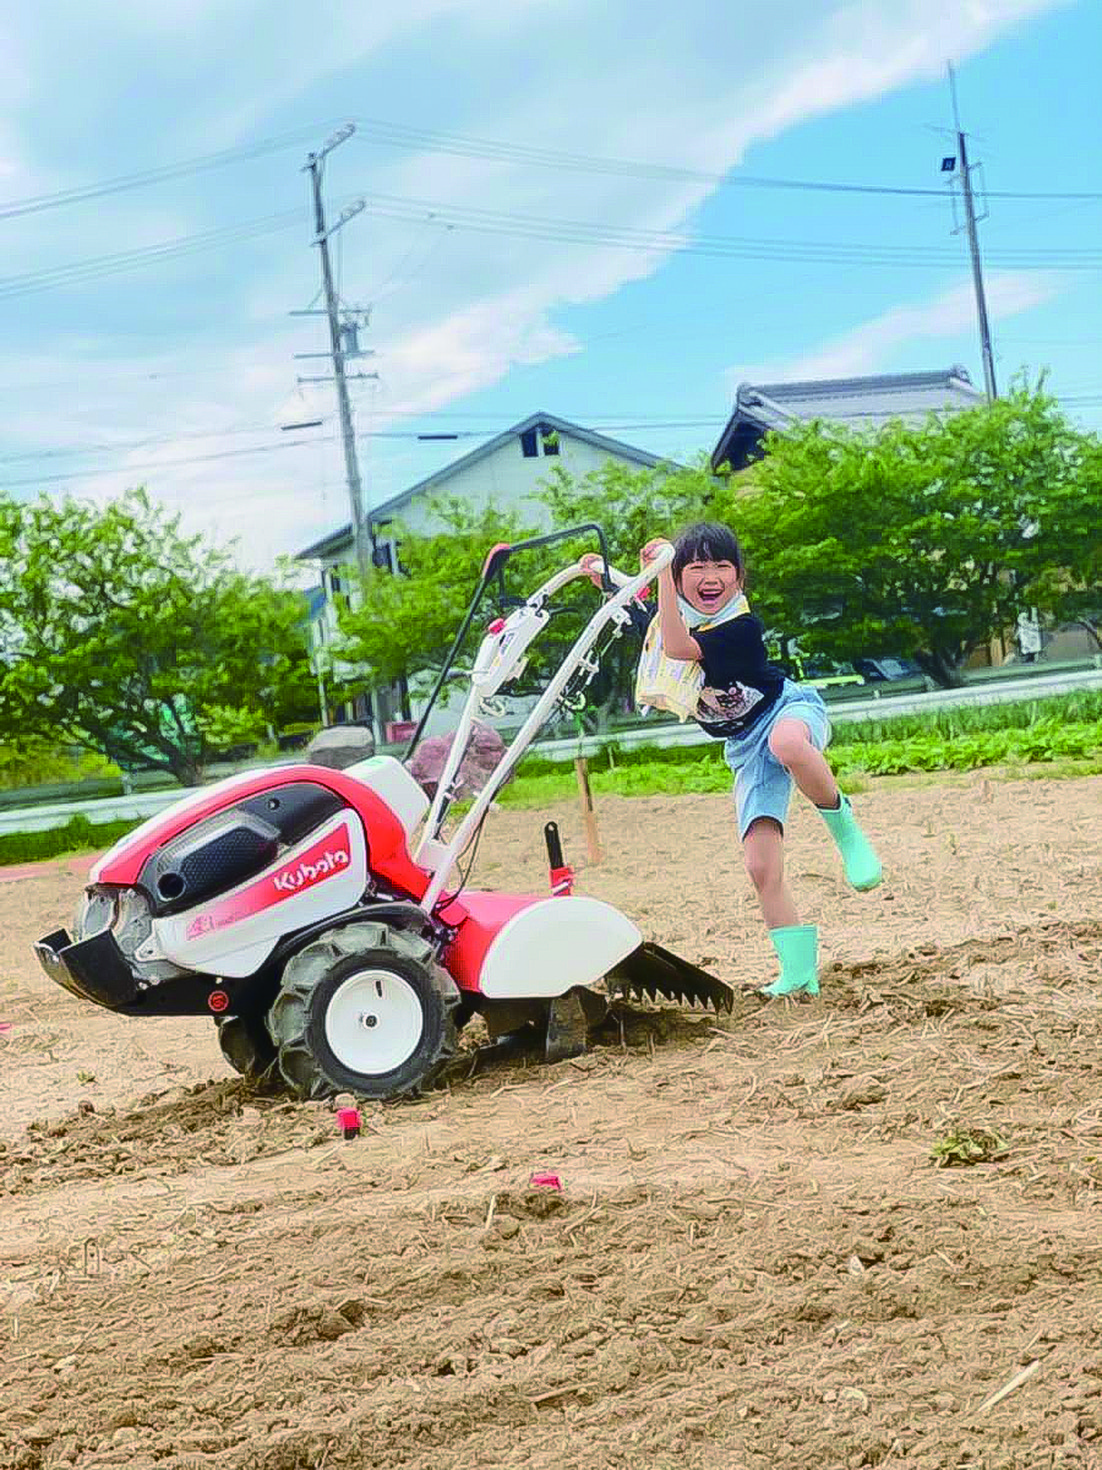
[348, 1121]
[545, 1181]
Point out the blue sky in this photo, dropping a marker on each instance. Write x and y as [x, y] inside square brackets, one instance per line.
[145, 374]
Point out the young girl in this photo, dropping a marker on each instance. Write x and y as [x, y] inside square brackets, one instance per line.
[774, 731]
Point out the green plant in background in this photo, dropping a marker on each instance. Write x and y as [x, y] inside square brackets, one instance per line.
[406, 622]
[961, 1147]
[653, 771]
[1083, 706]
[123, 635]
[77, 835]
[924, 540]
[224, 727]
[39, 762]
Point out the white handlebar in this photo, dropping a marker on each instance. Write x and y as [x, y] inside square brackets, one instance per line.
[658, 563]
[500, 658]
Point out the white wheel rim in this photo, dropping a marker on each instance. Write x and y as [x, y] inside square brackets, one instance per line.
[374, 1022]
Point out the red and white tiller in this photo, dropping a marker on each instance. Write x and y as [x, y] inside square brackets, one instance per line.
[308, 910]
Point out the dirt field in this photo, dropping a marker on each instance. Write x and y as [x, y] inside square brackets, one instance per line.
[753, 1264]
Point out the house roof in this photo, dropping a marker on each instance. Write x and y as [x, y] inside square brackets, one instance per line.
[335, 541]
[865, 401]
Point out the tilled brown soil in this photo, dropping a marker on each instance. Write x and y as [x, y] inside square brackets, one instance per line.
[753, 1262]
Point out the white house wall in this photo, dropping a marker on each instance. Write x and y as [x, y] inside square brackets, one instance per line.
[507, 481]
[504, 479]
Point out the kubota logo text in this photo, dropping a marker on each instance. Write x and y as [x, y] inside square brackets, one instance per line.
[307, 873]
[330, 855]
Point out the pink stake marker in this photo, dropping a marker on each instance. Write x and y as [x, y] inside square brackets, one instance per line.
[348, 1121]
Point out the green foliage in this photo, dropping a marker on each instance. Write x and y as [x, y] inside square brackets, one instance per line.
[961, 1147]
[1048, 741]
[224, 727]
[1069, 589]
[925, 540]
[405, 625]
[129, 638]
[78, 835]
[1080, 707]
[651, 771]
[631, 505]
[42, 762]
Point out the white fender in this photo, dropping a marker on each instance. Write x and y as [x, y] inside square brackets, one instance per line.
[551, 946]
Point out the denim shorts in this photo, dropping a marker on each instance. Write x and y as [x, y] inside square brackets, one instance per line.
[763, 787]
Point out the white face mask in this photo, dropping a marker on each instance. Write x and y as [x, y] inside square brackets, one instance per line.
[694, 618]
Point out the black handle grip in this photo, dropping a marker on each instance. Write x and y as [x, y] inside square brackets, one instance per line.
[554, 845]
[499, 555]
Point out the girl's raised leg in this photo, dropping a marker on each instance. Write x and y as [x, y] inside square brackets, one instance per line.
[791, 744]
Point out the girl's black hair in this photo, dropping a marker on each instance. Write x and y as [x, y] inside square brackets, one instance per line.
[706, 541]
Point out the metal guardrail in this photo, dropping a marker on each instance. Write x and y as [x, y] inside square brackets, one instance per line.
[1036, 686]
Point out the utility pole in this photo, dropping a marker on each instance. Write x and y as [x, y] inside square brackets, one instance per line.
[974, 245]
[343, 344]
[322, 235]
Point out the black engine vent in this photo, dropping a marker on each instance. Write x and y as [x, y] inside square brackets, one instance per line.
[209, 859]
[295, 809]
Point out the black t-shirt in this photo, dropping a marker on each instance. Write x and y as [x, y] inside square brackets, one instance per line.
[740, 684]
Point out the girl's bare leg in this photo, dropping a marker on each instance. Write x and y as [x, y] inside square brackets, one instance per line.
[790, 742]
[763, 850]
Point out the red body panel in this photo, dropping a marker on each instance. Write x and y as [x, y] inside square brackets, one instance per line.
[388, 853]
[479, 917]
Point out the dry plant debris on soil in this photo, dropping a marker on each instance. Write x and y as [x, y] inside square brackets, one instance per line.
[758, 1258]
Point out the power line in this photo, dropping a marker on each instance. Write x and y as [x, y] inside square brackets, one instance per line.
[397, 135]
[578, 232]
[201, 163]
[94, 268]
[164, 464]
[582, 232]
[602, 423]
[128, 446]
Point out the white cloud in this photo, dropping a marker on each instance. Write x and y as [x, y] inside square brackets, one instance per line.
[645, 81]
[869, 347]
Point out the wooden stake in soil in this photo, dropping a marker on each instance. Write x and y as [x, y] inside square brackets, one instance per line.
[592, 840]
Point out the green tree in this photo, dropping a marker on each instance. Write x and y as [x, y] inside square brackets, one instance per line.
[1070, 590]
[403, 625]
[632, 506]
[123, 635]
[924, 540]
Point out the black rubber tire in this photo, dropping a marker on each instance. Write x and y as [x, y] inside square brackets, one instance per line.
[311, 978]
[248, 1048]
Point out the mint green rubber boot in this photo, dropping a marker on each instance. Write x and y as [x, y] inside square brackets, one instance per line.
[863, 869]
[798, 951]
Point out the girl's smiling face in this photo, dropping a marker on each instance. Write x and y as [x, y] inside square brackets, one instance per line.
[708, 586]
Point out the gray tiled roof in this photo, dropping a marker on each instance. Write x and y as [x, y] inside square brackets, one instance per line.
[863, 402]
